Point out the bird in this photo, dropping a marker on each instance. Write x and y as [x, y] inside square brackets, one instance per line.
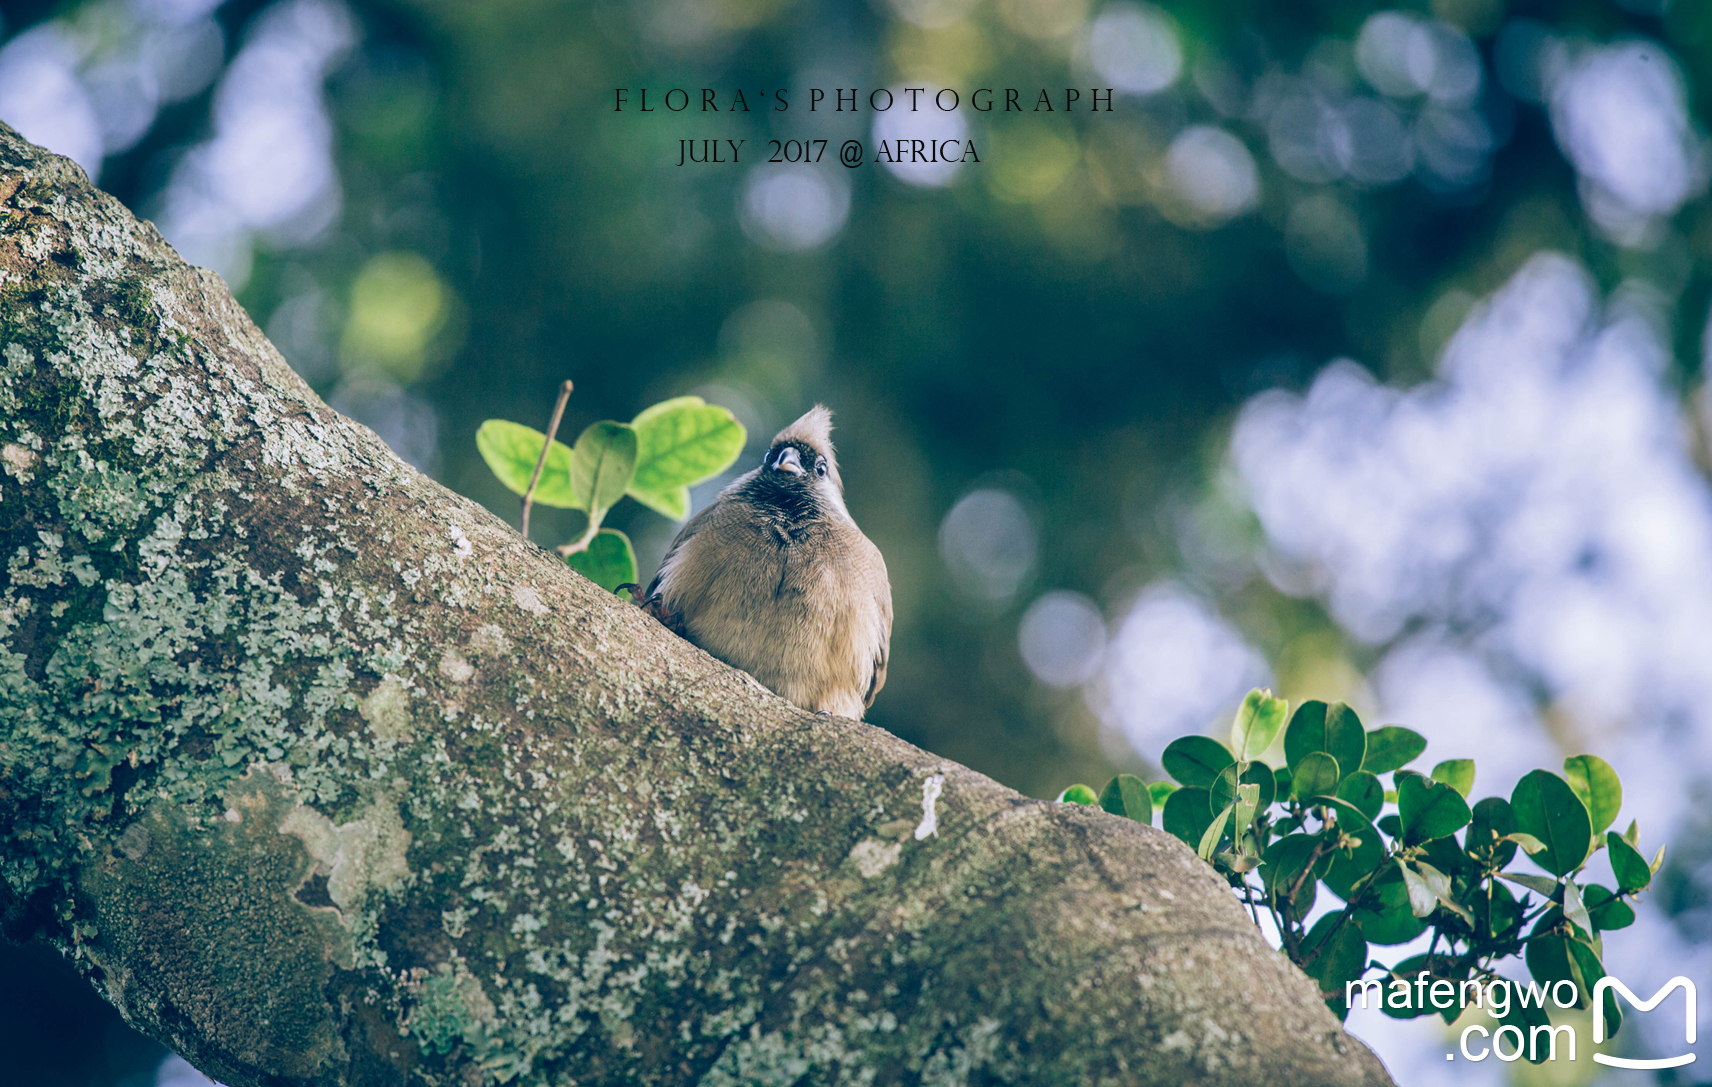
[774, 577]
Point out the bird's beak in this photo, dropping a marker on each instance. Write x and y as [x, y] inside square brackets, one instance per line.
[789, 461]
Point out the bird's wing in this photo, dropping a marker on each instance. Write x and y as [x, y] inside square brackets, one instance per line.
[882, 651]
[691, 527]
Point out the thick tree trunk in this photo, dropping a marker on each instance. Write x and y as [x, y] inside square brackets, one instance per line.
[325, 776]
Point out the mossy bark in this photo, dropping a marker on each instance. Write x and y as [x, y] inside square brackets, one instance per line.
[325, 776]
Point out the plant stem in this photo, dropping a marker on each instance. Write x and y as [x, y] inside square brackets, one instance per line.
[581, 543]
[541, 462]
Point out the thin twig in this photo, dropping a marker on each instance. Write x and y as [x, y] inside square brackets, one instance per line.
[552, 429]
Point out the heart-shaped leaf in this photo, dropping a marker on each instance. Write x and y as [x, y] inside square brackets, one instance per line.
[1316, 774]
[1627, 864]
[511, 450]
[1391, 747]
[1126, 795]
[601, 465]
[1195, 760]
[1364, 791]
[1334, 730]
[1258, 721]
[608, 561]
[1608, 912]
[1548, 808]
[1457, 773]
[1429, 809]
[1598, 787]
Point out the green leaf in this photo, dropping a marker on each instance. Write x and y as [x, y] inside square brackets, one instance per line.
[1242, 813]
[1539, 884]
[1160, 792]
[1406, 972]
[1386, 911]
[609, 561]
[1215, 830]
[1422, 901]
[1658, 861]
[1257, 722]
[1633, 834]
[1078, 794]
[1457, 773]
[1316, 774]
[1349, 865]
[1607, 911]
[1527, 841]
[1598, 787]
[1334, 730]
[1525, 1019]
[1440, 885]
[1364, 791]
[1492, 819]
[1258, 774]
[1334, 952]
[1187, 814]
[1195, 760]
[1285, 859]
[511, 450]
[1392, 747]
[1548, 808]
[684, 441]
[1627, 864]
[1127, 796]
[601, 465]
[673, 504]
[1575, 910]
[1429, 809]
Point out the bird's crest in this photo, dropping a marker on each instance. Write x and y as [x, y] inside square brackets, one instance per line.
[813, 428]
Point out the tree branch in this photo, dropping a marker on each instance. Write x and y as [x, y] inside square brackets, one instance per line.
[323, 775]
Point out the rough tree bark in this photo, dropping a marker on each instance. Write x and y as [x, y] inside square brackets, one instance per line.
[324, 776]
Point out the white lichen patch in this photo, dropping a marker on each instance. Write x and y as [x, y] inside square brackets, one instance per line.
[461, 545]
[929, 798]
[528, 599]
[387, 709]
[489, 641]
[872, 856]
[19, 460]
[364, 855]
[454, 668]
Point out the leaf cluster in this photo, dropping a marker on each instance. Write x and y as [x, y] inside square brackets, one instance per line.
[1402, 856]
[655, 458]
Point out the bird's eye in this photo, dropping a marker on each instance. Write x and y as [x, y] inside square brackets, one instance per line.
[820, 466]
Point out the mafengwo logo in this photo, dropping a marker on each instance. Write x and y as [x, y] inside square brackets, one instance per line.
[1539, 1042]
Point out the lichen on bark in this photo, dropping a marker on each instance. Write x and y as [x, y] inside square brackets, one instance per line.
[325, 776]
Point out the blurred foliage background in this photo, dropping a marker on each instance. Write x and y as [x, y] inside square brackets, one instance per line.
[1148, 406]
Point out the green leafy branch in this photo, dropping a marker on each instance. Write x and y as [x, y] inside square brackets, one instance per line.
[655, 459]
[1393, 857]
